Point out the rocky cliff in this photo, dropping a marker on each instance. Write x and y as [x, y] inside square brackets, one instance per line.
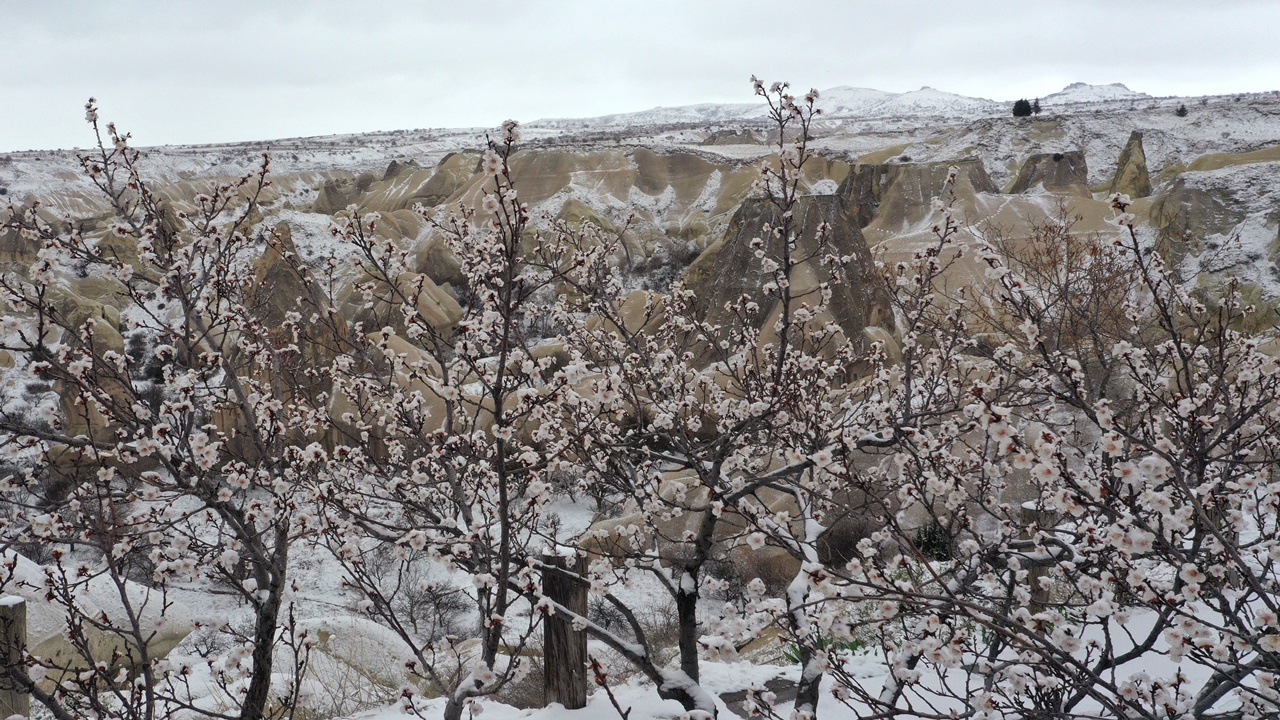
[1132, 177]
[1201, 182]
[729, 269]
[1062, 172]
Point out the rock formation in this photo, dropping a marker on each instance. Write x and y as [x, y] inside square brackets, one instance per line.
[1131, 176]
[773, 565]
[902, 193]
[729, 268]
[406, 184]
[437, 307]
[731, 137]
[16, 249]
[451, 175]
[99, 600]
[76, 311]
[1056, 172]
[278, 290]
[1184, 215]
[339, 193]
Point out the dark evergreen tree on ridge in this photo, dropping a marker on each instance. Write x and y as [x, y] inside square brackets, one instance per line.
[1022, 108]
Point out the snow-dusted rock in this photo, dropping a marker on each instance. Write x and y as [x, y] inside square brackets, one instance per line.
[95, 598]
[1131, 177]
[1060, 172]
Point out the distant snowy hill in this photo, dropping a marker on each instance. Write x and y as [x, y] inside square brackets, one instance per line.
[936, 103]
[854, 103]
[703, 113]
[1086, 93]
[842, 102]
[849, 101]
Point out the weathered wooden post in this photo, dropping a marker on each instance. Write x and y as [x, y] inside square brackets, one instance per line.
[13, 643]
[1034, 519]
[564, 648]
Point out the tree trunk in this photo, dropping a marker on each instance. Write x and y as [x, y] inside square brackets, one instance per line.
[687, 622]
[687, 619]
[453, 708]
[808, 687]
[264, 636]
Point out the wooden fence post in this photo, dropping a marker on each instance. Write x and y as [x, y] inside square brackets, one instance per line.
[1033, 518]
[13, 644]
[564, 649]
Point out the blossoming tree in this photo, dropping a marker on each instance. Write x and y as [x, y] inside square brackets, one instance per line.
[1051, 497]
[177, 458]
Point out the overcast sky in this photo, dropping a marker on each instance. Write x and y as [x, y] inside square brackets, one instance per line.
[175, 71]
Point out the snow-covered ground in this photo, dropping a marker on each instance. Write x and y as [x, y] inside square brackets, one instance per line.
[933, 124]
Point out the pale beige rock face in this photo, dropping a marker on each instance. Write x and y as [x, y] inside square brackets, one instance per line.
[401, 186]
[1131, 177]
[92, 299]
[659, 197]
[451, 175]
[1184, 214]
[46, 624]
[433, 258]
[87, 418]
[612, 538]
[895, 201]
[279, 289]
[16, 249]
[640, 311]
[675, 197]
[418, 374]
[337, 194]
[437, 307]
[898, 195]
[729, 268]
[1056, 172]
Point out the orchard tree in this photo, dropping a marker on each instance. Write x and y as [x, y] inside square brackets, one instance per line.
[1019, 539]
[179, 453]
[452, 439]
[1104, 552]
[713, 431]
